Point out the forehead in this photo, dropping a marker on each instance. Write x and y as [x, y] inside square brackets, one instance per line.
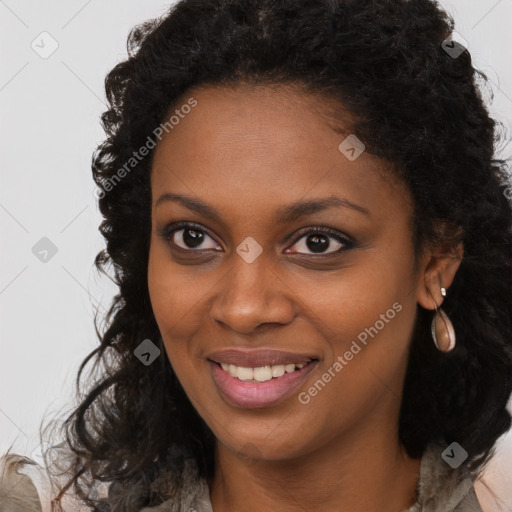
[264, 146]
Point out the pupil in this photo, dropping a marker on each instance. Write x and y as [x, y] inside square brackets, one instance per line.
[319, 243]
[192, 237]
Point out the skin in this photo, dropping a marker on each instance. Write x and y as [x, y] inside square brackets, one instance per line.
[248, 150]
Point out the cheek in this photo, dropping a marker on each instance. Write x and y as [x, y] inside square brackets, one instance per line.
[346, 303]
[174, 291]
[178, 301]
[366, 314]
[169, 299]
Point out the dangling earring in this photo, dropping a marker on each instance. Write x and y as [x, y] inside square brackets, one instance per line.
[442, 329]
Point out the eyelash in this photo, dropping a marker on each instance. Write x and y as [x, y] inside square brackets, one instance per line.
[168, 231]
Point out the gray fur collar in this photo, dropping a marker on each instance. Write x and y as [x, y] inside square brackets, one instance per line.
[440, 488]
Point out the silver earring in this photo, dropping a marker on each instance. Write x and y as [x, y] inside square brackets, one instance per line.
[442, 329]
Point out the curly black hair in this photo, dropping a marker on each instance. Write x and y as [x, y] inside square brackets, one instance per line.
[414, 104]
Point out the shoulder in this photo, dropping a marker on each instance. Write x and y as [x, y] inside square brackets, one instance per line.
[25, 487]
[443, 488]
[18, 493]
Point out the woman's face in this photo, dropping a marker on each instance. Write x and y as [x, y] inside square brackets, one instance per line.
[253, 285]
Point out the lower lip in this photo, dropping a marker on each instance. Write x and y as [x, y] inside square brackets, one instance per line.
[258, 394]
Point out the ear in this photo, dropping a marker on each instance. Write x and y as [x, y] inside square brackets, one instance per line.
[437, 270]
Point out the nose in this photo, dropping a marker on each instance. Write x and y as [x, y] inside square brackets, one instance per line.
[252, 294]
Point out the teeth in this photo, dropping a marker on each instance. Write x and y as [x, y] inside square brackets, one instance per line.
[245, 373]
[261, 373]
[278, 370]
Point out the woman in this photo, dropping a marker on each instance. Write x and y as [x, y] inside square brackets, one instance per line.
[312, 242]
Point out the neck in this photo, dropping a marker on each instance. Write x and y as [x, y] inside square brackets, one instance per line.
[356, 473]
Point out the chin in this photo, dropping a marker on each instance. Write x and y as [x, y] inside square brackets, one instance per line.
[261, 446]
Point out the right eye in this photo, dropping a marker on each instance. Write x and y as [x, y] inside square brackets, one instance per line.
[187, 237]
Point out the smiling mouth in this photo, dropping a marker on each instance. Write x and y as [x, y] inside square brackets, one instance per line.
[262, 373]
[260, 386]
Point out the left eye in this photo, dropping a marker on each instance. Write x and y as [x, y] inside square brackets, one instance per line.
[319, 240]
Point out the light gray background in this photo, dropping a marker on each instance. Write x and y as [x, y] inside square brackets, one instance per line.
[49, 128]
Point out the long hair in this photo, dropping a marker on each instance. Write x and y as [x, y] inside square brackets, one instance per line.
[414, 104]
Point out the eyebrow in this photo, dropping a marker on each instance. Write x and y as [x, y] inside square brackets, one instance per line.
[283, 214]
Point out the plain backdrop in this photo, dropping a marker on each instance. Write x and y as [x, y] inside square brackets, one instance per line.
[50, 108]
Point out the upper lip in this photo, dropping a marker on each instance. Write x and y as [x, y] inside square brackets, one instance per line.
[257, 358]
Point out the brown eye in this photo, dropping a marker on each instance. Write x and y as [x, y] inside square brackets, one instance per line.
[189, 237]
[320, 240]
